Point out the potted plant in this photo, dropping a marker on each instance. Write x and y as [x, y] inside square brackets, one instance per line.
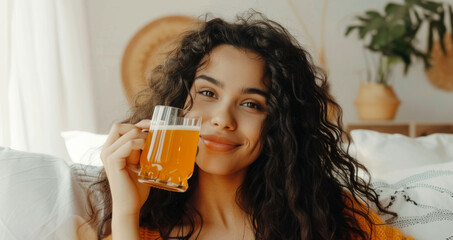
[392, 36]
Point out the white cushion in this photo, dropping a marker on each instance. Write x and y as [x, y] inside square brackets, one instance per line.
[423, 199]
[42, 197]
[384, 153]
[84, 147]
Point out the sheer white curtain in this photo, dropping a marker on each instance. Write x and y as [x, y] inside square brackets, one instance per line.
[45, 74]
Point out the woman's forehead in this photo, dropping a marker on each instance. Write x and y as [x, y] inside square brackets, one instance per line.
[226, 62]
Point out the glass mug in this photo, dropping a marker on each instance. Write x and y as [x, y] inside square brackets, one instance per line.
[168, 158]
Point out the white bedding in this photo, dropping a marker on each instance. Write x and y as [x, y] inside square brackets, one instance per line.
[386, 153]
[43, 197]
[423, 199]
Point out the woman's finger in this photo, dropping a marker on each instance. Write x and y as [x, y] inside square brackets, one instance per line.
[144, 124]
[117, 159]
[134, 158]
[117, 130]
[133, 133]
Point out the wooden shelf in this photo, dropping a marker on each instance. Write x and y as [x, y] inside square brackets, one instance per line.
[411, 129]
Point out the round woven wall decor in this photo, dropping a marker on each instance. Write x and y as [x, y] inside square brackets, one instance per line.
[441, 72]
[149, 47]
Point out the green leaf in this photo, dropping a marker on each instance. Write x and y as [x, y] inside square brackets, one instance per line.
[441, 14]
[407, 63]
[396, 31]
[373, 14]
[400, 49]
[362, 32]
[424, 57]
[431, 6]
[412, 32]
[418, 23]
[349, 29]
[430, 38]
[426, 62]
[450, 10]
[364, 19]
[442, 30]
[419, 19]
[396, 11]
[374, 24]
[410, 3]
[392, 33]
[412, 28]
[380, 39]
[441, 33]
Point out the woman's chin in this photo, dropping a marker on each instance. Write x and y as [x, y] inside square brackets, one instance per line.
[216, 169]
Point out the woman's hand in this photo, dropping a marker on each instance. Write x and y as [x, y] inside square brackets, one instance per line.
[121, 151]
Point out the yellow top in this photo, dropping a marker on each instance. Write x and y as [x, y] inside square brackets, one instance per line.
[145, 234]
[381, 230]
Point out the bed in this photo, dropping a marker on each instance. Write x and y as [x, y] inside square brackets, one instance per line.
[44, 197]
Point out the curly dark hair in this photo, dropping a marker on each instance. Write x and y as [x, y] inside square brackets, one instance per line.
[304, 181]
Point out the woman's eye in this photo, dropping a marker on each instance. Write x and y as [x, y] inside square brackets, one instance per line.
[252, 105]
[206, 93]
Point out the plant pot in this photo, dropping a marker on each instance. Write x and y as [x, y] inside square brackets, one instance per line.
[376, 102]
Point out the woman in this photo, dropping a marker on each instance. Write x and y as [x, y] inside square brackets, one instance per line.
[270, 163]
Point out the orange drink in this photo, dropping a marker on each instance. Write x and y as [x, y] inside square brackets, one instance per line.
[168, 159]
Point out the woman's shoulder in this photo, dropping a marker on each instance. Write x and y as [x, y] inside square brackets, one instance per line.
[145, 234]
[378, 228]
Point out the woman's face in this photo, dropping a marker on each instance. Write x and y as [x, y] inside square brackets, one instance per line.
[230, 95]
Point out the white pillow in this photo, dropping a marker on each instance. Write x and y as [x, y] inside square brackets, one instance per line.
[42, 197]
[84, 147]
[423, 199]
[384, 153]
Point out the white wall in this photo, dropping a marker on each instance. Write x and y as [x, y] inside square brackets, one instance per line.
[114, 22]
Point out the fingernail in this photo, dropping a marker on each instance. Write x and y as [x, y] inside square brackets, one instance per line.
[143, 123]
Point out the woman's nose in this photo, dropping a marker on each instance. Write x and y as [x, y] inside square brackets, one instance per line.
[224, 118]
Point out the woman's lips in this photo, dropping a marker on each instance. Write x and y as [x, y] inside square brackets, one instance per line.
[219, 144]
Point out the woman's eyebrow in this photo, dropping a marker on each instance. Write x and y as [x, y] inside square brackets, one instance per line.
[210, 79]
[245, 90]
[255, 91]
